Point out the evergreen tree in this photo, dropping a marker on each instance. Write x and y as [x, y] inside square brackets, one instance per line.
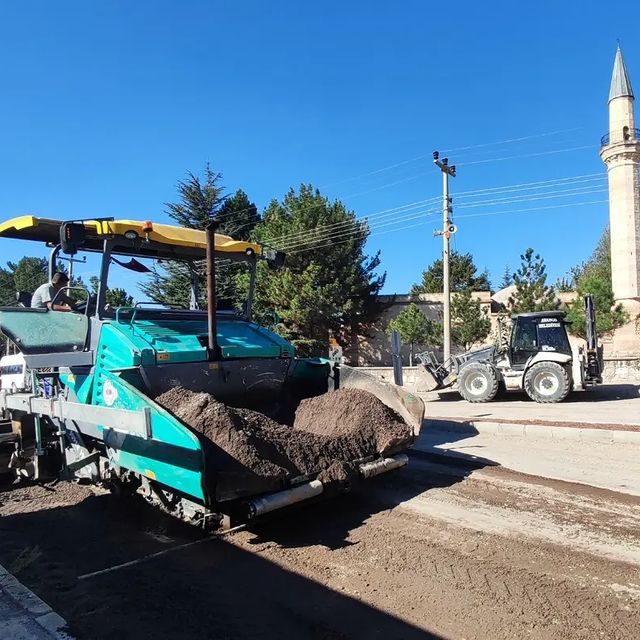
[594, 277]
[238, 216]
[507, 278]
[564, 285]
[415, 329]
[463, 274]
[200, 202]
[25, 275]
[469, 324]
[328, 284]
[532, 292]
[116, 297]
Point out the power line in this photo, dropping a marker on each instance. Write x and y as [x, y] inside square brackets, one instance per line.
[529, 155]
[355, 231]
[527, 186]
[551, 206]
[378, 214]
[531, 197]
[313, 236]
[428, 155]
[471, 162]
[472, 215]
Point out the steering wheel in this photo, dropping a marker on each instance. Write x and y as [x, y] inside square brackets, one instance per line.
[82, 305]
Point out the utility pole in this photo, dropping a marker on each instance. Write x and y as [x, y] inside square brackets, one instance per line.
[447, 230]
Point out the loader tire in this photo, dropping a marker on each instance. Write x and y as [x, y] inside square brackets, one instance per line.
[478, 382]
[547, 382]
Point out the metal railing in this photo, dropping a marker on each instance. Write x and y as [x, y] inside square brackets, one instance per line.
[625, 135]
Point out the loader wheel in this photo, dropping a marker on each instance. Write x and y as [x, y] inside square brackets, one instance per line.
[547, 382]
[478, 382]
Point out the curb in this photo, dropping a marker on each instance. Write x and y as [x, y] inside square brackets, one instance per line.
[549, 431]
[35, 609]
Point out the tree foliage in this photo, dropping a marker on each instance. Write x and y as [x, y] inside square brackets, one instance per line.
[200, 202]
[469, 323]
[594, 277]
[116, 297]
[463, 274]
[25, 275]
[238, 216]
[507, 278]
[328, 284]
[532, 292]
[415, 329]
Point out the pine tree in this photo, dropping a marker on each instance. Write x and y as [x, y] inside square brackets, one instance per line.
[463, 274]
[116, 297]
[415, 329]
[594, 277]
[202, 201]
[532, 292]
[469, 323]
[328, 284]
[507, 278]
[25, 275]
[238, 216]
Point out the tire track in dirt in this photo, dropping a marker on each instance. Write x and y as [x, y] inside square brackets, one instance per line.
[368, 561]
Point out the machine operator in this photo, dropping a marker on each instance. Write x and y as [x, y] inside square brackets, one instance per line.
[44, 294]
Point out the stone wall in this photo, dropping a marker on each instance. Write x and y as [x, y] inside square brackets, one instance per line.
[620, 369]
[375, 348]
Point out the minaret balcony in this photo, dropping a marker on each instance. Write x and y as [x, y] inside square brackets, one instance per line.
[627, 135]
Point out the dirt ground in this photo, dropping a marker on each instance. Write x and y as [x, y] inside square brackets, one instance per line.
[437, 550]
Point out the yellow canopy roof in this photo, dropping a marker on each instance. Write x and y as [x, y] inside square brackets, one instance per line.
[164, 238]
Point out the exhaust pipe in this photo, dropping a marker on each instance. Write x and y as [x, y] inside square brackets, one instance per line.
[213, 349]
[282, 499]
[377, 467]
[288, 497]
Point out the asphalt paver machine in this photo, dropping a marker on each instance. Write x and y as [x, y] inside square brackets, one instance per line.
[94, 373]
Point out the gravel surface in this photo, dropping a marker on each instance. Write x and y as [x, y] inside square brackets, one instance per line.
[437, 550]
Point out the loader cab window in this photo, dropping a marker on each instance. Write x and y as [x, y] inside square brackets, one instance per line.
[524, 341]
[552, 335]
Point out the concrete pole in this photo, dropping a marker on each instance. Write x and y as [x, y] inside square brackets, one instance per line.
[446, 319]
[447, 230]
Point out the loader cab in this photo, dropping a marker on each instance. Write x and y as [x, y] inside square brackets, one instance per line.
[537, 332]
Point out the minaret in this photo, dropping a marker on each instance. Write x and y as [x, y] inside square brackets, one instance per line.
[620, 151]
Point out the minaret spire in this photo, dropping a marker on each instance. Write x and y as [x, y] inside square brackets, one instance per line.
[620, 151]
[620, 83]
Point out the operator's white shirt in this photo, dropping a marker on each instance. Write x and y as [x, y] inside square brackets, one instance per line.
[43, 294]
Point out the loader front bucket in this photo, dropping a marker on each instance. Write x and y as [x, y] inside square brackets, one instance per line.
[408, 405]
[429, 380]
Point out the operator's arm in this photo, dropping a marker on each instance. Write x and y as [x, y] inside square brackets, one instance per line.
[62, 303]
[57, 306]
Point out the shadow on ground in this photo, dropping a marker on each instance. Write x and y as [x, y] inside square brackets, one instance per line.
[607, 392]
[214, 589]
[603, 393]
[211, 590]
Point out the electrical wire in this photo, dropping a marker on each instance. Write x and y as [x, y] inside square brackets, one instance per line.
[313, 236]
[428, 155]
[538, 185]
[472, 215]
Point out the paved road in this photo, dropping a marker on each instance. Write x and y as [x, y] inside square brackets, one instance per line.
[613, 466]
[612, 404]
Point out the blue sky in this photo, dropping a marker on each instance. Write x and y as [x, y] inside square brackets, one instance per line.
[105, 105]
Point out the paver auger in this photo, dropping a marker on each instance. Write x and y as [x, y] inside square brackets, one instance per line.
[95, 373]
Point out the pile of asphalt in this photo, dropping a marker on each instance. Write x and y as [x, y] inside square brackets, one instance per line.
[253, 453]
